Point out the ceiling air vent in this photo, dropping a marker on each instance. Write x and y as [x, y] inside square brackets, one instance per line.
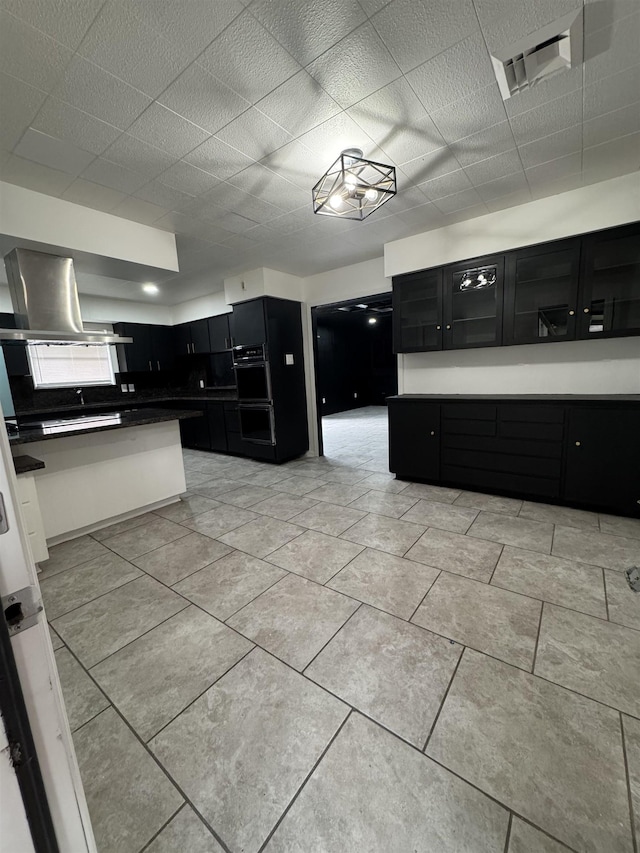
[556, 47]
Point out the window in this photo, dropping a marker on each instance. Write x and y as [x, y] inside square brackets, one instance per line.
[67, 365]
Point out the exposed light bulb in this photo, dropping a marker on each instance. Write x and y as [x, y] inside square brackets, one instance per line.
[336, 202]
[371, 194]
[150, 288]
[373, 320]
[351, 180]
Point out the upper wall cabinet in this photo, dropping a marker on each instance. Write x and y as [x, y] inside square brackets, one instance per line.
[192, 337]
[584, 287]
[151, 350]
[219, 334]
[541, 293]
[473, 303]
[248, 324]
[610, 283]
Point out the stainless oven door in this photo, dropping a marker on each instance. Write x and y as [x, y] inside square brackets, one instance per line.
[257, 424]
[253, 382]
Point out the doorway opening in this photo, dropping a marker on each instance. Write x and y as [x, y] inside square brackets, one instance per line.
[355, 372]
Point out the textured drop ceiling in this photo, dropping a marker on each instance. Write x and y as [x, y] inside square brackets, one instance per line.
[214, 118]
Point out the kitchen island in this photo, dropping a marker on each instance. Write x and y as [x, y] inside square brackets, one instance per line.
[102, 468]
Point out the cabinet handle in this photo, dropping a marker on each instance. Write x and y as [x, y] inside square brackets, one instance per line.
[150, 368]
[188, 345]
[578, 443]
[158, 363]
[448, 327]
[586, 310]
[438, 327]
[571, 313]
[432, 432]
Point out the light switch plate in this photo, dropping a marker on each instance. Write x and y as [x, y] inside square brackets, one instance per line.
[288, 359]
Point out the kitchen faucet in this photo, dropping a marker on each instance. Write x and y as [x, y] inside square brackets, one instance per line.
[80, 395]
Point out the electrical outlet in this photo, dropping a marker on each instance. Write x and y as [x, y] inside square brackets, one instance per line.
[288, 358]
[202, 383]
[324, 400]
[355, 395]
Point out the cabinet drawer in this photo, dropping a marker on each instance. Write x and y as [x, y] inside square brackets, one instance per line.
[501, 481]
[232, 419]
[536, 431]
[511, 446]
[534, 466]
[531, 414]
[469, 411]
[463, 427]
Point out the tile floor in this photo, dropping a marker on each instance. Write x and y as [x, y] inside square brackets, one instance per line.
[320, 658]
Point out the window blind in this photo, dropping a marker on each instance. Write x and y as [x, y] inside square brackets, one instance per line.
[59, 365]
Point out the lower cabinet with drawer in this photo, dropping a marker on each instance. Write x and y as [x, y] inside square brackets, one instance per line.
[582, 451]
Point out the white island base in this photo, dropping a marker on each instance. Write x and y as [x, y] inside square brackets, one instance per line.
[99, 478]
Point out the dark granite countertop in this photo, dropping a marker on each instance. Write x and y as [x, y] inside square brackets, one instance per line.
[126, 402]
[517, 398]
[36, 429]
[23, 464]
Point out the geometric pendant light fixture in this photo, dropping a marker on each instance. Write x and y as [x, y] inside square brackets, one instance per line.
[353, 187]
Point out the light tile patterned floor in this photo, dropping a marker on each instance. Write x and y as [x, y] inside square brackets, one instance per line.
[320, 658]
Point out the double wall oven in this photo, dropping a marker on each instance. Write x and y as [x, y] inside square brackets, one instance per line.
[255, 401]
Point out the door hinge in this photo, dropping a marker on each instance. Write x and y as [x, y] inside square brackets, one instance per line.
[21, 609]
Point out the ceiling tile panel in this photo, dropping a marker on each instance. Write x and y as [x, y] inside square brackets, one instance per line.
[507, 184]
[121, 43]
[92, 195]
[52, 152]
[66, 21]
[30, 55]
[429, 166]
[192, 25]
[612, 125]
[449, 184]
[395, 118]
[453, 74]
[543, 189]
[481, 109]
[89, 88]
[254, 134]
[612, 49]
[373, 6]
[33, 176]
[299, 104]
[427, 216]
[406, 198]
[289, 223]
[186, 178]
[548, 118]
[415, 32]
[306, 29]
[234, 222]
[202, 99]
[504, 22]
[138, 156]
[242, 242]
[293, 162]
[74, 126]
[167, 130]
[598, 14]
[218, 158]
[139, 211]
[494, 167]
[112, 175]
[484, 144]
[263, 183]
[554, 169]
[552, 147]
[618, 157]
[254, 208]
[163, 196]
[510, 200]
[248, 59]
[458, 201]
[612, 93]
[355, 67]
[19, 104]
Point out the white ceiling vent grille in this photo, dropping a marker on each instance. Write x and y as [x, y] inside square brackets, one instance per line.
[556, 47]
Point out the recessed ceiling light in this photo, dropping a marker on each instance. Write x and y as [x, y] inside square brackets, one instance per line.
[361, 305]
[150, 288]
[373, 320]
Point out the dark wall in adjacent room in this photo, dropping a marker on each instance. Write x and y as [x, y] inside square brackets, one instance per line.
[356, 365]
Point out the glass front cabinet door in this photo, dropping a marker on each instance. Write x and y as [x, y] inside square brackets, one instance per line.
[610, 283]
[417, 311]
[473, 303]
[541, 293]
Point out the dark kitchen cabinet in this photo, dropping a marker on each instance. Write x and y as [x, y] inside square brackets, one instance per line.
[603, 458]
[610, 283]
[182, 339]
[417, 311]
[194, 432]
[219, 332]
[192, 338]
[15, 352]
[541, 293]
[162, 348]
[152, 348]
[473, 303]
[248, 323]
[415, 446]
[217, 428]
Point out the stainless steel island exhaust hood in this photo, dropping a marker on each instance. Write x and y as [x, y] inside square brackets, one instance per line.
[44, 295]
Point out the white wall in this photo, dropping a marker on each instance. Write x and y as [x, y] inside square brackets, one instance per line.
[44, 219]
[364, 279]
[263, 282]
[196, 309]
[571, 367]
[602, 205]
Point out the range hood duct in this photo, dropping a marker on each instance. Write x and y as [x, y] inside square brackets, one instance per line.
[44, 295]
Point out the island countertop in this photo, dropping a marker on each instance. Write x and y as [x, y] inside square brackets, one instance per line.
[41, 429]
